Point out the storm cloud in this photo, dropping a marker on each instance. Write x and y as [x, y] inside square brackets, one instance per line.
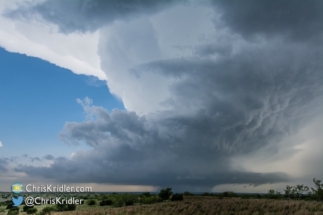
[128, 149]
[248, 75]
[88, 15]
[295, 20]
[240, 104]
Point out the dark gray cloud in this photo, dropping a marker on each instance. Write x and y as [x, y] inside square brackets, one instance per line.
[3, 165]
[142, 152]
[88, 15]
[299, 20]
[130, 173]
[48, 157]
[32, 159]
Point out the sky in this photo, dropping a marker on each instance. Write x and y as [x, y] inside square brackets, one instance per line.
[200, 96]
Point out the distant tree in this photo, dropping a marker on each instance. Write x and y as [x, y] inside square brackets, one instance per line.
[272, 194]
[288, 191]
[177, 197]
[206, 194]
[186, 193]
[165, 193]
[278, 195]
[299, 190]
[318, 190]
[228, 194]
[146, 194]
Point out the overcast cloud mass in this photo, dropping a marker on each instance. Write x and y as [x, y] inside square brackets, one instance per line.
[214, 91]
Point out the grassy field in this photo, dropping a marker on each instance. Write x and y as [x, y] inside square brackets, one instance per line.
[203, 205]
[190, 205]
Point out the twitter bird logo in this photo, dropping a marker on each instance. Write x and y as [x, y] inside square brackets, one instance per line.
[17, 201]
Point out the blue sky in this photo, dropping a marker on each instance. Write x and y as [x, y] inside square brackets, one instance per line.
[37, 99]
[215, 101]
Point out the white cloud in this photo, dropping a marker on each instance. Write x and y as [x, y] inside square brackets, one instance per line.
[36, 38]
[1, 144]
[125, 45]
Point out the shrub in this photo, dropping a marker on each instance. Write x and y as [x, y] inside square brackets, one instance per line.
[150, 200]
[47, 210]
[146, 194]
[258, 196]
[31, 210]
[106, 202]
[229, 194]
[245, 196]
[123, 199]
[128, 199]
[65, 207]
[165, 193]
[177, 197]
[9, 205]
[207, 194]
[25, 208]
[13, 211]
[186, 193]
[71, 207]
[91, 202]
[60, 207]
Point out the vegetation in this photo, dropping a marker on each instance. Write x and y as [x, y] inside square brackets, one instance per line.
[165, 194]
[31, 210]
[317, 192]
[298, 199]
[13, 211]
[25, 208]
[177, 197]
[106, 202]
[203, 205]
[186, 193]
[91, 202]
[47, 210]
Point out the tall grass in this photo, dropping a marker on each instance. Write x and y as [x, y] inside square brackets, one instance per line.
[203, 205]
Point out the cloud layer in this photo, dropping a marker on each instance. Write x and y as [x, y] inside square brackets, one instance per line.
[90, 15]
[128, 149]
